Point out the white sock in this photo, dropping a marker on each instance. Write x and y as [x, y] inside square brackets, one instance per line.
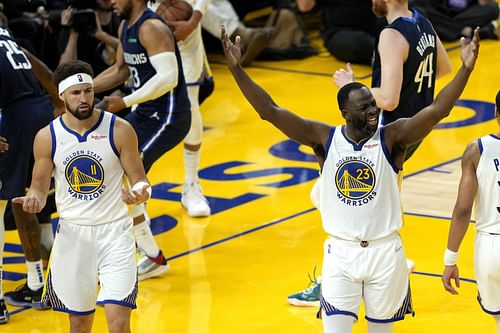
[191, 163]
[337, 323]
[145, 239]
[380, 327]
[46, 235]
[35, 274]
[3, 206]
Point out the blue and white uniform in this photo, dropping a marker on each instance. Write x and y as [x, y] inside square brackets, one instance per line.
[93, 220]
[24, 109]
[361, 211]
[487, 242]
[161, 123]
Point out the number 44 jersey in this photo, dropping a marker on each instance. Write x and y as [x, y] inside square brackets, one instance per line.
[419, 69]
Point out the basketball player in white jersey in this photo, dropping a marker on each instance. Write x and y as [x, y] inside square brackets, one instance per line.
[89, 151]
[188, 37]
[480, 181]
[360, 200]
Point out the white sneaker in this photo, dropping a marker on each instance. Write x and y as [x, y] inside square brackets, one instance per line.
[193, 200]
[147, 268]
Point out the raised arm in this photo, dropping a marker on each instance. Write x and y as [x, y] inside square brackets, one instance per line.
[411, 130]
[35, 198]
[461, 215]
[311, 133]
[393, 49]
[114, 75]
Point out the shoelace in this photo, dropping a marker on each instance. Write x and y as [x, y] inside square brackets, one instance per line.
[313, 282]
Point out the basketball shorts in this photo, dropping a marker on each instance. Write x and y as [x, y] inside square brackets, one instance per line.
[487, 271]
[158, 133]
[84, 256]
[20, 122]
[375, 272]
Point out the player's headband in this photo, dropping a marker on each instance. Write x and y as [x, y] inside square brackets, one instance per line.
[74, 80]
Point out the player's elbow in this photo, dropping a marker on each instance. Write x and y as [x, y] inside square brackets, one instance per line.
[388, 103]
[168, 81]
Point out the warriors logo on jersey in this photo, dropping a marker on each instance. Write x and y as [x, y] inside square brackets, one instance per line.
[355, 181]
[85, 177]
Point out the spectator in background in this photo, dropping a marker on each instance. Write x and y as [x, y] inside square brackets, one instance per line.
[455, 18]
[253, 40]
[348, 27]
[92, 42]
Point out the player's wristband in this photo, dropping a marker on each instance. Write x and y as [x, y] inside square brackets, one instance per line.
[140, 185]
[450, 258]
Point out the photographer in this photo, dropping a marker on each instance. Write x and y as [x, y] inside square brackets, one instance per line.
[90, 33]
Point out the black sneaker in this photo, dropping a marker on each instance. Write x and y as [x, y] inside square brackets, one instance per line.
[4, 314]
[24, 296]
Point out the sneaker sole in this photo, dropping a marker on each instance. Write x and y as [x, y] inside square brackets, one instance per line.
[36, 306]
[296, 302]
[157, 272]
[199, 214]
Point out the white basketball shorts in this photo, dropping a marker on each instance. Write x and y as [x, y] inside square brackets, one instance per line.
[487, 271]
[375, 272]
[83, 256]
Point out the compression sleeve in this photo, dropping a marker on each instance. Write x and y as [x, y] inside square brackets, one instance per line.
[164, 80]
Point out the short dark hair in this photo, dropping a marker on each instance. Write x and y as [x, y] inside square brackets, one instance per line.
[344, 92]
[498, 101]
[69, 68]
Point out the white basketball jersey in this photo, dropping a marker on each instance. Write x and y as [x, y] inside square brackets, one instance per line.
[359, 191]
[87, 172]
[488, 192]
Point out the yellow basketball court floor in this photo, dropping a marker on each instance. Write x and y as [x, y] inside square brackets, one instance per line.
[232, 271]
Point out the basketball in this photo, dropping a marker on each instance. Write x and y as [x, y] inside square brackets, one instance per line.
[175, 10]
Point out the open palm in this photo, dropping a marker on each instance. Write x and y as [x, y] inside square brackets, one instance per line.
[470, 50]
[232, 51]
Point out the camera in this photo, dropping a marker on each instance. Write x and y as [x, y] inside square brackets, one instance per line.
[84, 20]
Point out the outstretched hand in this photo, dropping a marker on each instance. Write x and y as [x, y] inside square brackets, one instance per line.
[231, 51]
[470, 51]
[341, 77]
[451, 273]
[136, 196]
[31, 203]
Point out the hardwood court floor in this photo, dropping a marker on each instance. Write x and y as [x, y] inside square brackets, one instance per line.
[232, 271]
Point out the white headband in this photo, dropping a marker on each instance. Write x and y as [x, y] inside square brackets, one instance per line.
[74, 80]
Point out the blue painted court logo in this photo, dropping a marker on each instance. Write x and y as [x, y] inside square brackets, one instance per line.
[85, 175]
[355, 180]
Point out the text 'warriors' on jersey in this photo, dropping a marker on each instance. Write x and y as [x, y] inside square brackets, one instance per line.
[359, 192]
[88, 173]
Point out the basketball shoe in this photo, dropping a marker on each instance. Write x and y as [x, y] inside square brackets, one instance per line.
[4, 314]
[310, 295]
[148, 267]
[193, 200]
[24, 296]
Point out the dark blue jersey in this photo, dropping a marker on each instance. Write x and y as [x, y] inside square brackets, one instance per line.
[419, 70]
[16, 78]
[141, 70]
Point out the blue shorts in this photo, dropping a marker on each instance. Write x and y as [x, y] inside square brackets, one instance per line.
[158, 132]
[20, 122]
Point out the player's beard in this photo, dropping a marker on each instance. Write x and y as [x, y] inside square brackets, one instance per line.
[379, 8]
[81, 115]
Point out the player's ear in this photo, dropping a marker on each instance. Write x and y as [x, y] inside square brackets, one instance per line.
[61, 96]
[345, 113]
